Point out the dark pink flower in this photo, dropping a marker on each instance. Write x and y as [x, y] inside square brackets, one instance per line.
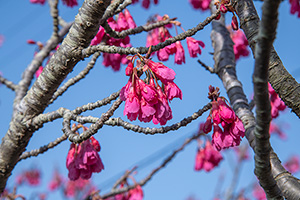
[259, 193]
[234, 23]
[295, 7]
[83, 160]
[194, 46]
[129, 19]
[293, 164]
[98, 38]
[122, 22]
[56, 182]
[39, 71]
[179, 55]
[136, 193]
[207, 158]
[70, 3]
[240, 41]
[38, 1]
[274, 129]
[32, 177]
[200, 4]
[163, 110]
[164, 73]
[276, 103]
[172, 91]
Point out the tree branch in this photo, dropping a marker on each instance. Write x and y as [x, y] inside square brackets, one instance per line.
[7, 83]
[282, 82]
[266, 36]
[84, 28]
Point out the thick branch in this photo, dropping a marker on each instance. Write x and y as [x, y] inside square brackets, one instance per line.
[282, 82]
[84, 28]
[266, 36]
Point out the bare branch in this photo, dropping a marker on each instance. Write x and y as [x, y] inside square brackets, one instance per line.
[54, 13]
[7, 83]
[75, 79]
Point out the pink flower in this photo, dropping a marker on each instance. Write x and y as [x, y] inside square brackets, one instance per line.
[295, 7]
[292, 165]
[163, 111]
[234, 23]
[31, 177]
[39, 71]
[172, 91]
[129, 19]
[70, 3]
[122, 22]
[179, 55]
[38, 1]
[222, 114]
[276, 103]
[258, 193]
[194, 46]
[146, 3]
[56, 182]
[200, 4]
[73, 187]
[274, 129]
[98, 38]
[164, 73]
[83, 160]
[136, 193]
[207, 158]
[240, 41]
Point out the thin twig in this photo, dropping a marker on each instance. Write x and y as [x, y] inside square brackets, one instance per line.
[208, 68]
[75, 79]
[54, 13]
[7, 83]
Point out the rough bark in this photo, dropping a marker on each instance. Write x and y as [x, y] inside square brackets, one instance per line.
[84, 28]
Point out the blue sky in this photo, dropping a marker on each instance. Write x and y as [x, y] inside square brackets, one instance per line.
[122, 149]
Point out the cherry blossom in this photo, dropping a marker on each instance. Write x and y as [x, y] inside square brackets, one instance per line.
[39, 71]
[200, 4]
[207, 158]
[31, 177]
[231, 130]
[194, 46]
[276, 103]
[147, 100]
[70, 3]
[38, 1]
[83, 160]
[295, 7]
[56, 182]
[240, 41]
[293, 164]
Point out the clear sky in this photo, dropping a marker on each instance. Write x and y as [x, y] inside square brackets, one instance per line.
[122, 149]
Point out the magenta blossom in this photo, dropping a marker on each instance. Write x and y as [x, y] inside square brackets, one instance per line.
[207, 158]
[240, 41]
[295, 7]
[136, 193]
[39, 71]
[276, 103]
[200, 4]
[83, 160]
[259, 193]
[293, 164]
[231, 130]
[179, 55]
[38, 1]
[56, 182]
[70, 3]
[194, 46]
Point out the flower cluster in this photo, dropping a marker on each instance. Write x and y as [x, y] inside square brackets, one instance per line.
[83, 159]
[161, 34]
[200, 4]
[222, 114]
[124, 22]
[207, 158]
[224, 6]
[147, 100]
[31, 177]
[295, 7]
[240, 41]
[145, 3]
[293, 164]
[276, 103]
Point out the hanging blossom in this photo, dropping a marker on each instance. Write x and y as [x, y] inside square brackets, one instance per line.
[145, 3]
[161, 34]
[74, 187]
[275, 129]
[38, 1]
[200, 4]
[293, 164]
[124, 22]
[83, 159]
[207, 158]
[148, 100]
[32, 177]
[70, 3]
[259, 193]
[295, 7]
[240, 41]
[231, 130]
[56, 181]
[276, 103]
